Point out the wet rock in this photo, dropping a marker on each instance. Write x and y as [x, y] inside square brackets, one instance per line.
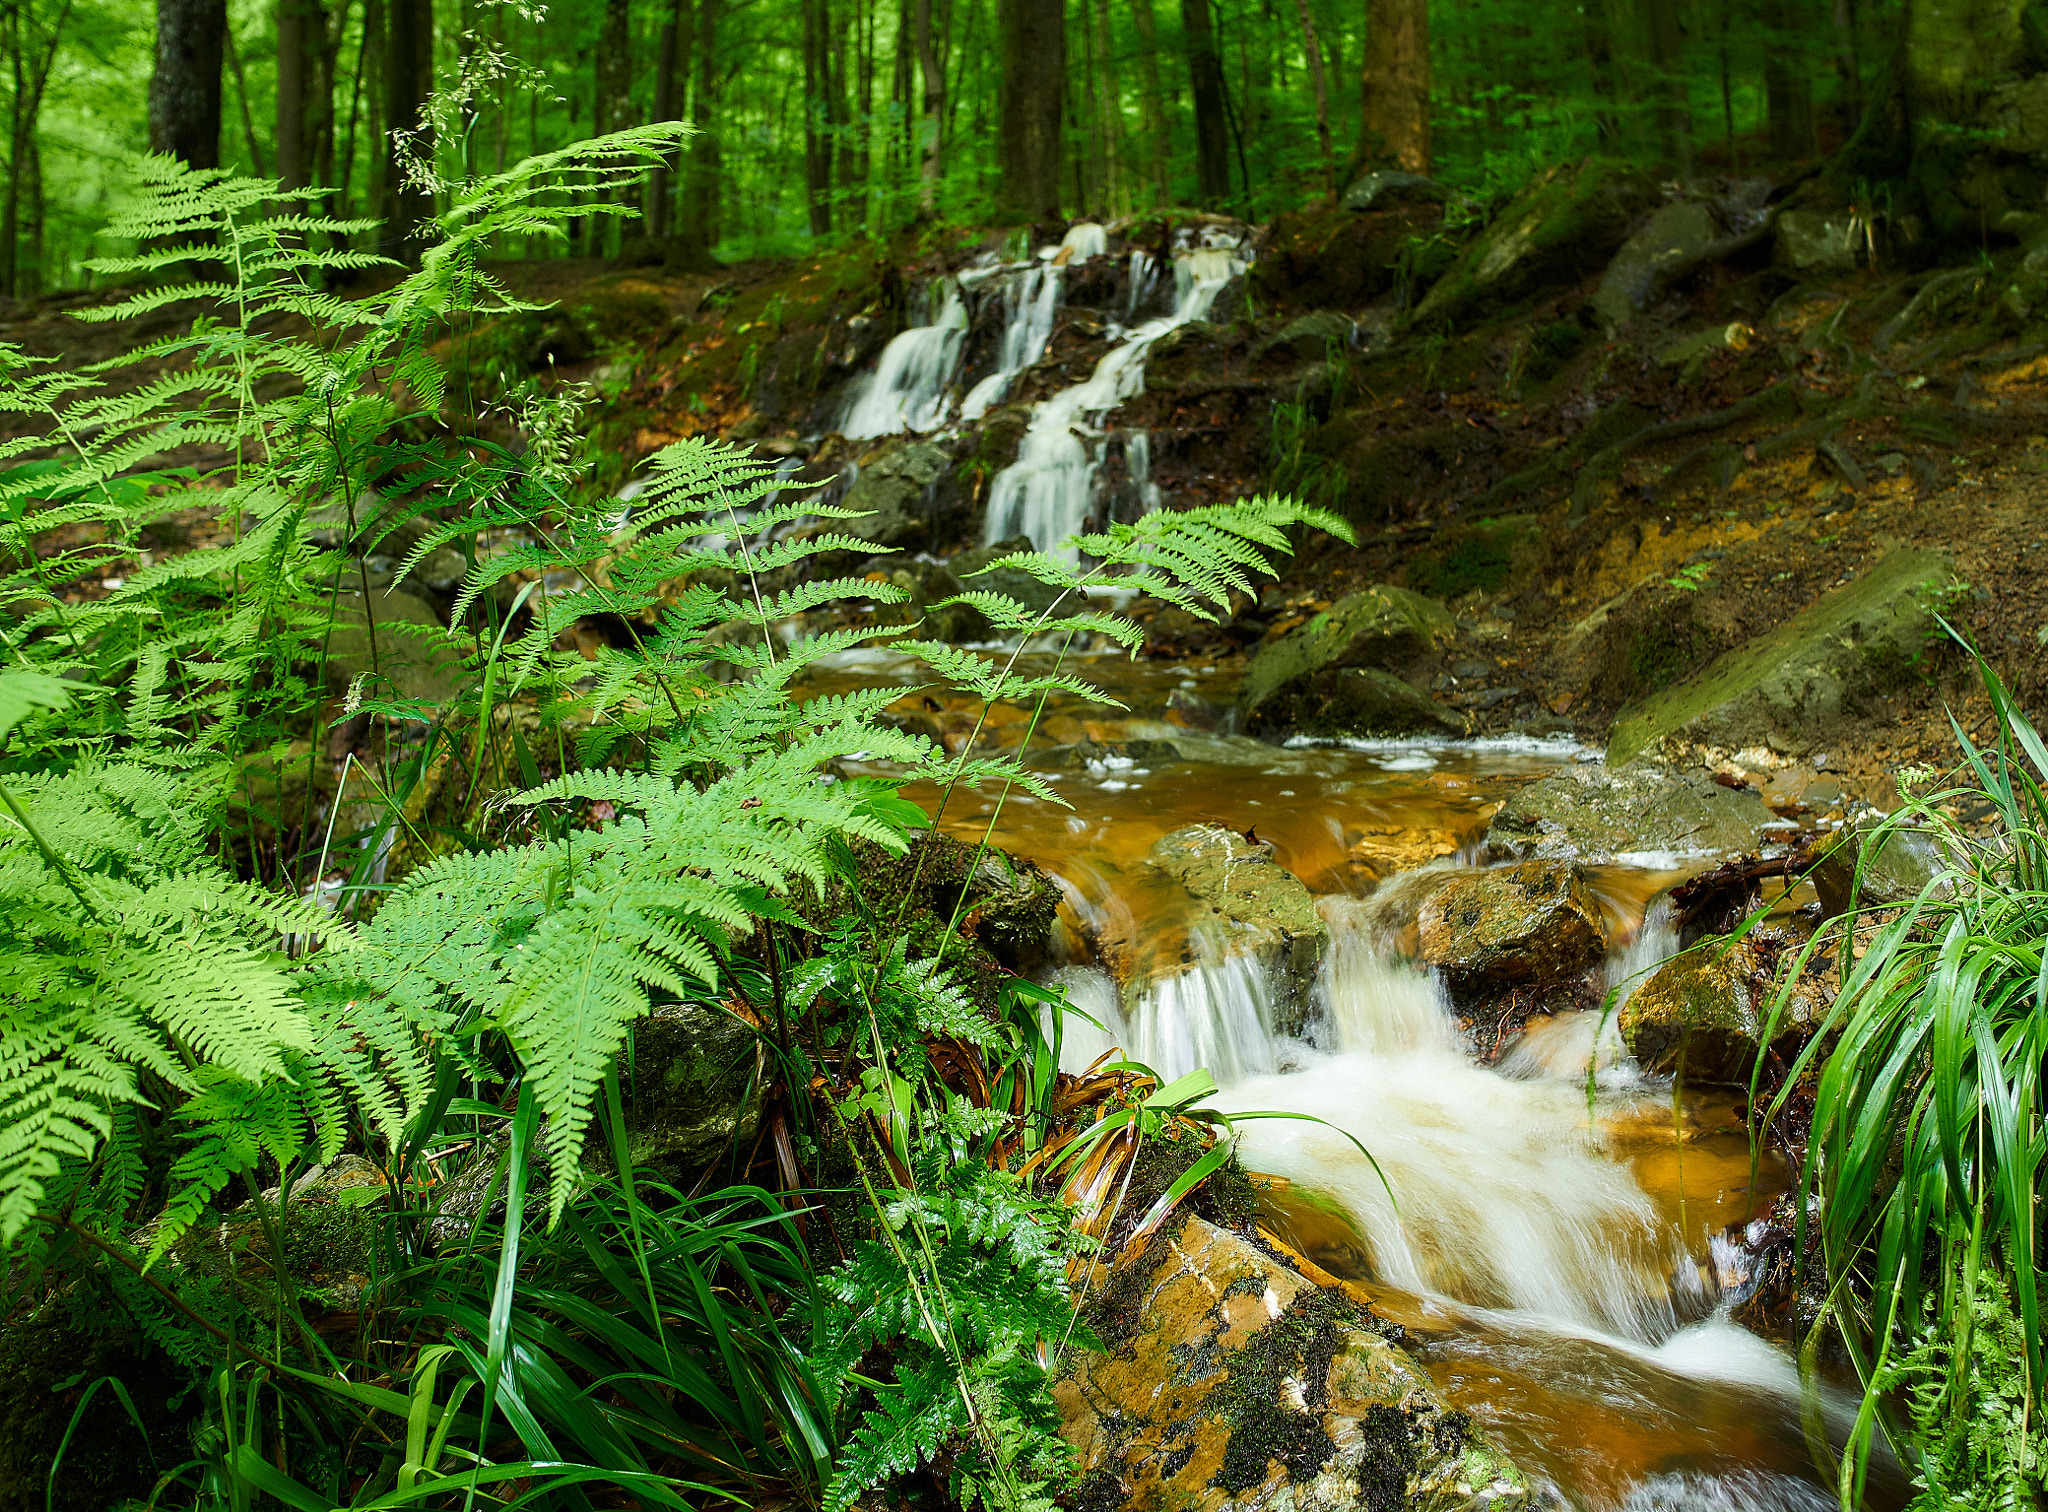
[1108, 755]
[1562, 228]
[1333, 258]
[1704, 1012]
[1592, 811]
[892, 490]
[1311, 337]
[972, 569]
[1818, 241]
[1232, 1381]
[395, 645]
[1533, 923]
[1335, 675]
[1671, 238]
[1236, 902]
[1376, 191]
[1791, 687]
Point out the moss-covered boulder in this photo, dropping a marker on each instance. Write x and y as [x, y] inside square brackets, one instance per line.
[1530, 924]
[693, 1092]
[892, 491]
[1230, 1380]
[1596, 812]
[1792, 687]
[1703, 1013]
[1342, 672]
[393, 642]
[1671, 238]
[1564, 227]
[1333, 257]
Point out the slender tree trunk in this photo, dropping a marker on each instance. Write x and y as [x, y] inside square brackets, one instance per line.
[1788, 87]
[1152, 98]
[1212, 125]
[1849, 60]
[408, 75]
[249, 142]
[932, 171]
[700, 217]
[29, 281]
[1667, 70]
[817, 135]
[611, 104]
[1110, 107]
[1728, 87]
[1033, 89]
[671, 78]
[184, 89]
[1313, 50]
[1599, 34]
[301, 33]
[1394, 83]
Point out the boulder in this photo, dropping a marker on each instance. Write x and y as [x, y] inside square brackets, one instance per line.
[1530, 924]
[1230, 1380]
[694, 1092]
[396, 645]
[1310, 337]
[1593, 812]
[1673, 237]
[1562, 228]
[1376, 191]
[891, 492]
[1818, 241]
[1790, 687]
[1702, 1013]
[1334, 675]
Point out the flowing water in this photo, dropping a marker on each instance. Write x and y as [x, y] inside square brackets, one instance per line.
[1553, 1249]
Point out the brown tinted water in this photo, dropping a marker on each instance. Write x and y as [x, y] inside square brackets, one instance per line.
[1552, 1253]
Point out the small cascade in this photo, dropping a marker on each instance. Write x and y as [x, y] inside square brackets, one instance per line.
[1091, 995]
[1048, 492]
[1031, 297]
[1217, 1014]
[908, 389]
[1369, 1004]
[1084, 239]
[1138, 464]
[1144, 278]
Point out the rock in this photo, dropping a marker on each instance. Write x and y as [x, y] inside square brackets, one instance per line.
[1790, 687]
[1311, 337]
[1703, 1012]
[694, 1092]
[1595, 812]
[1298, 682]
[1674, 236]
[1108, 755]
[1330, 258]
[1233, 902]
[1564, 226]
[891, 490]
[1232, 1381]
[1390, 187]
[412, 658]
[1533, 923]
[1818, 241]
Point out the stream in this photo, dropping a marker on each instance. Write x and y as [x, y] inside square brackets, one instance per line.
[1564, 1264]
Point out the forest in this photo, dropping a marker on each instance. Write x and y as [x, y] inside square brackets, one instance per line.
[1024, 755]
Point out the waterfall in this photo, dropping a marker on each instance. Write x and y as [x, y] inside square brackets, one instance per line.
[1217, 1013]
[1084, 239]
[1091, 994]
[908, 389]
[1047, 493]
[1138, 463]
[1144, 275]
[1031, 297]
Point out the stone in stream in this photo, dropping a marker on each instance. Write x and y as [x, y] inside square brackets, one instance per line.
[891, 491]
[1232, 1381]
[1791, 687]
[1504, 926]
[1344, 672]
[1593, 812]
[1702, 1013]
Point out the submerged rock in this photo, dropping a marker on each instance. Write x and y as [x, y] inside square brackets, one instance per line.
[1339, 673]
[1490, 927]
[1233, 1381]
[1791, 687]
[1703, 1013]
[1592, 811]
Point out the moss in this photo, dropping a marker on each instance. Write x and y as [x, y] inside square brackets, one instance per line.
[1297, 1347]
[1551, 348]
[1481, 556]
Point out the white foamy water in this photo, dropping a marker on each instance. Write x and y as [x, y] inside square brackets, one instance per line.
[1031, 297]
[908, 389]
[1047, 493]
[1216, 1014]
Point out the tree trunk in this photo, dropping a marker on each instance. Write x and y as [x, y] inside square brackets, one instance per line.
[1667, 73]
[817, 122]
[1395, 85]
[1152, 98]
[1205, 84]
[611, 106]
[671, 83]
[706, 185]
[408, 76]
[932, 170]
[1034, 71]
[301, 35]
[1117, 196]
[1312, 48]
[184, 89]
[1788, 87]
[1599, 34]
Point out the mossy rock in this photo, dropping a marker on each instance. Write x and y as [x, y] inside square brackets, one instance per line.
[1564, 227]
[1385, 628]
[1342, 259]
[1671, 237]
[1792, 687]
[1530, 924]
[892, 489]
[1482, 556]
[1703, 1014]
[394, 645]
[1593, 812]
